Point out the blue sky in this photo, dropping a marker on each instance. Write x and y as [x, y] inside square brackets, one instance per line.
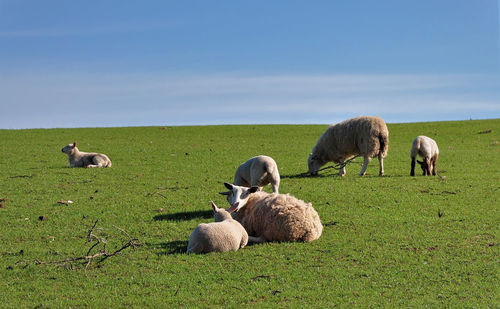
[137, 63]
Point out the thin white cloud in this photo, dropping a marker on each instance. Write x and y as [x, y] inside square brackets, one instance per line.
[104, 29]
[121, 100]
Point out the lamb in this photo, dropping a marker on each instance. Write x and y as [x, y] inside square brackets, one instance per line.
[273, 217]
[428, 149]
[365, 136]
[78, 158]
[258, 172]
[225, 234]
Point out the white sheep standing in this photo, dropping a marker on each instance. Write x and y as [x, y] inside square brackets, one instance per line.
[428, 149]
[225, 234]
[273, 217]
[366, 136]
[79, 158]
[258, 172]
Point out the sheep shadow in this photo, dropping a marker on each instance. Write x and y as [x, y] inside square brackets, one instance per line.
[184, 216]
[169, 248]
[307, 175]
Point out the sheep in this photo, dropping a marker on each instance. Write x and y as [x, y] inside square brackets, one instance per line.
[428, 149]
[78, 158]
[273, 217]
[258, 171]
[366, 136]
[225, 234]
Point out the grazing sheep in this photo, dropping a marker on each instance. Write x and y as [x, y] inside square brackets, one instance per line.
[428, 149]
[366, 136]
[273, 217]
[225, 234]
[258, 172]
[78, 158]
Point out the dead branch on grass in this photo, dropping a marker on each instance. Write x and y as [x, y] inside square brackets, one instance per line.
[102, 253]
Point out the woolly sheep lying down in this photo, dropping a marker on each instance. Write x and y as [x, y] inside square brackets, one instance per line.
[225, 234]
[428, 149]
[79, 158]
[366, 136]
[258, 172]
[273, 217]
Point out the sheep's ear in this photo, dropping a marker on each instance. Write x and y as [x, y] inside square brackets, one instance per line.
[225, 193]
[214, 207]
[228, 185]
[74, 144]
[253, 189]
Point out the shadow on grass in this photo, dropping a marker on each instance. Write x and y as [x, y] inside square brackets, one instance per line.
[171, 247]
[187, 215]
[336, 175]
[307, 175]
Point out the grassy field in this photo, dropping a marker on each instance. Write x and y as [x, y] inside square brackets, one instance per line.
[387, 241]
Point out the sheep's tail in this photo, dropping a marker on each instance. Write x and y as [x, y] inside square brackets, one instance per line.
[384, 144]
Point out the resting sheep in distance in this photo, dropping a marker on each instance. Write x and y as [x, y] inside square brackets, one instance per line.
[225, 234]
[273, 217]
[78, 158]
[366, 136]
[258, 172]
[428, 149]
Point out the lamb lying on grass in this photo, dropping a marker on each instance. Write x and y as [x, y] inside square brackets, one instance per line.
[225, 234]
[78, 158]
[428, 149]
[366, 136]
[273, 217]
[258, 172]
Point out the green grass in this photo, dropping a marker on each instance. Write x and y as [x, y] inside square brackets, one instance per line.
[387, 241]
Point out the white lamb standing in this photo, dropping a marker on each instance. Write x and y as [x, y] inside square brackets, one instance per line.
[258, 172]
[225, 234]
[273, 217]
[79, 158]
[428, 149]
[366, 136]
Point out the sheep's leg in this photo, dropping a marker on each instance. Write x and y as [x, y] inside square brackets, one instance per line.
[380, 165]
[365, 165]
[254, 239]
[412, 171]
[275, 185]
[434, 164]
[342, 169]
[428, 166]
[98, 162]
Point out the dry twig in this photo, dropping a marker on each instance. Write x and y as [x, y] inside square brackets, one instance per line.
[101, 255]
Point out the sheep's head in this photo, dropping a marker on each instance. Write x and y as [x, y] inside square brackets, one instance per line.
[68, 149]
[314, 163]
[237, 196]
[424, 166]
[220, 214]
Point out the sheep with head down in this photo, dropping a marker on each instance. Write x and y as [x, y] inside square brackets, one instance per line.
[273, 217]
[366, 136]
[428, 149]
[258, 172]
